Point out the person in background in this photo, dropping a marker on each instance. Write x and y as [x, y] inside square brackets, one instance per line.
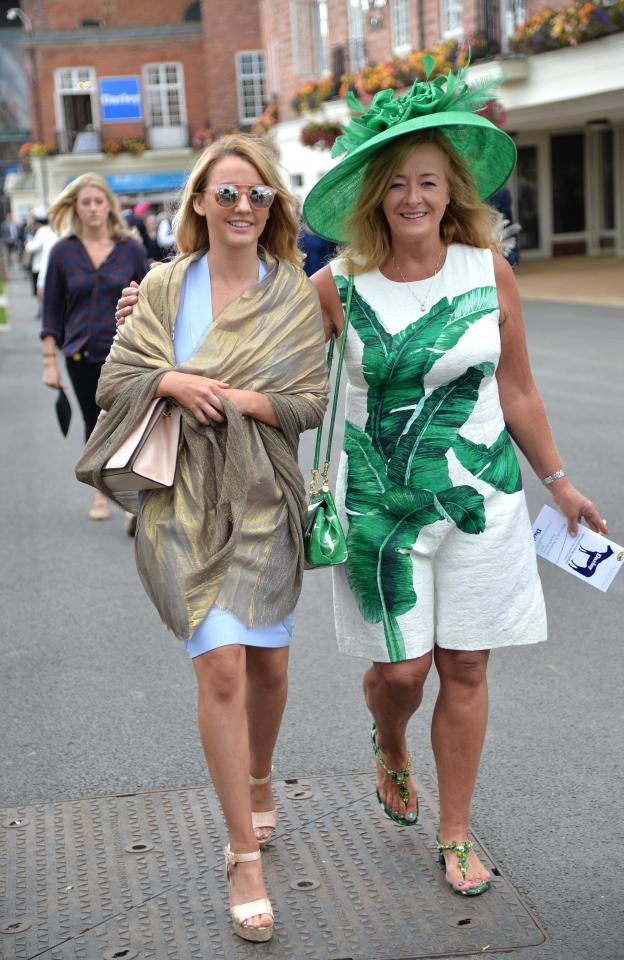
[50, 240]
[153, 248]
[86, 269]
[9, 232]
[165, 236]
[42, 239]
[134, 223]
[141, 213]
[318, 251]
[506, 228]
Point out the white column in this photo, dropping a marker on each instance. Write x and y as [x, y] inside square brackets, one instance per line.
[618, 199]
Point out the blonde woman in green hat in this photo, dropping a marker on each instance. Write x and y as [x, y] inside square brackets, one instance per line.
[441, 565]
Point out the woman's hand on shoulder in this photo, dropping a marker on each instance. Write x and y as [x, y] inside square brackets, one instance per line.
[126, 303]
[333, 316]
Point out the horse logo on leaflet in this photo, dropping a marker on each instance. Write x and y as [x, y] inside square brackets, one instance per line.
[595, 557]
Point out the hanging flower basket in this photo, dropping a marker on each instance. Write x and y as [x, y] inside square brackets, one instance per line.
[202, 138]
[571, 25]
[320, 135]
[27, 150]
[133, 145]
[267, 119]
[313, 93]
[495, 112]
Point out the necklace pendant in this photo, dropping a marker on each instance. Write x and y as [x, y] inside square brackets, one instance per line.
[422, 308]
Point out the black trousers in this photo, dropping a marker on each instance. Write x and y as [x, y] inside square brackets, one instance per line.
[84, 379]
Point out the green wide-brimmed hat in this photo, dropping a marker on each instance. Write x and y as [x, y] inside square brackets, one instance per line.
[445, 103]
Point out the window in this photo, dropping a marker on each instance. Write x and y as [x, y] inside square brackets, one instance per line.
[164, 94]
[528, 198]
[92, 23]
[75, 79]
[250, 79]
[357, 53]
[451, 11]
[75, 102]
[309, 25]
[400, 26]
[607, 187]
[514, 16]
[567, 158]
[193, 12]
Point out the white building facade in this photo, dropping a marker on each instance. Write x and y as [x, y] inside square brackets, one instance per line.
[565, 111]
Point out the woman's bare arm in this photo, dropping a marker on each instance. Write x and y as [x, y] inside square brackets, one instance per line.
[523, 408]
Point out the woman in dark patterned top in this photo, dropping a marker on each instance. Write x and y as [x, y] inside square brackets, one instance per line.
[95, 257]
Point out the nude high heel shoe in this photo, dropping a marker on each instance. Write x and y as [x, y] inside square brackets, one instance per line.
[99, 509]
[245, 911]
[263, 818]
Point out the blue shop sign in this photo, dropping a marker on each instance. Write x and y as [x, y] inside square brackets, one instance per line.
[120, 99]
[146, 182]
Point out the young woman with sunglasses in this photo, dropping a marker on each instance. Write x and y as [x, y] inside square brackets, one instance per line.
[232, 332]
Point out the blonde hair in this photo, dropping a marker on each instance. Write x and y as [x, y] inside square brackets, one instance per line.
[62, 214]
[281, 233]
[466, 219]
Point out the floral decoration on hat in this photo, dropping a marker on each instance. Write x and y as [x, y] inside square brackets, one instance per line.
[437, 95]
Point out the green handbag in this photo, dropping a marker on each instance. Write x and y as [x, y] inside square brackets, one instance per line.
[324, 541]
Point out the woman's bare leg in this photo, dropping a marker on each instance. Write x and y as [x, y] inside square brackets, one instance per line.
[222, 719]
[457, 735]
[393, 693]
[266, 692]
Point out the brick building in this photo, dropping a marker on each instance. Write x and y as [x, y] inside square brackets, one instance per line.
[169, 67]
[565, 107]
[160, 71]
[307, 38]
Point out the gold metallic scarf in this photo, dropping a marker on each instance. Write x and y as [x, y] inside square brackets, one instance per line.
[229, 531]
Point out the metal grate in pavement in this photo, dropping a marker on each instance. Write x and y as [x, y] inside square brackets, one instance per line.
[140, 878]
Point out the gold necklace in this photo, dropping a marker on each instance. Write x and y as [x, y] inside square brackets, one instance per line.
[422, 303]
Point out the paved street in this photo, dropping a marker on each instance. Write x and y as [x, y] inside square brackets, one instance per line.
[97, 698]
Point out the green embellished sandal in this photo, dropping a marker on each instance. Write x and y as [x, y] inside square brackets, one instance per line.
[400, 778]
[462, 850]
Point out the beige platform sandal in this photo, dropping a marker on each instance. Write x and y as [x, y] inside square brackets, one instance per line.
[261, 819]
[99, 509]
[245, 911]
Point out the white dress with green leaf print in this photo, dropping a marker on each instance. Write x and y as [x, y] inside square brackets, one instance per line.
[429, 488]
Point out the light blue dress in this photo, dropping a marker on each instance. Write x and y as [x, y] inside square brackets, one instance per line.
[194, 318]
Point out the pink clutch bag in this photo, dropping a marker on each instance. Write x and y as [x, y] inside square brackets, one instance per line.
[147, 459]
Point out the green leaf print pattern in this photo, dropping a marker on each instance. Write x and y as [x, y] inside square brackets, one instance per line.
[419, 458]
[398, 478]
[497, 465]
